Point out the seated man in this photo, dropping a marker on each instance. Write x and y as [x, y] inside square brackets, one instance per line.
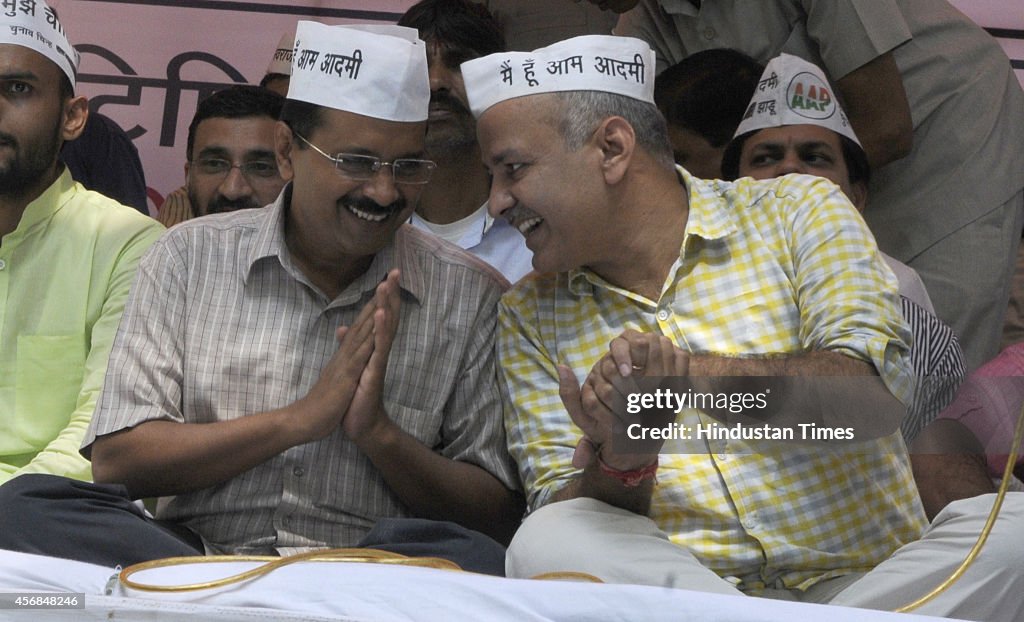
[229, 159]
[292, 377]
[67, 257]
[646, 271]
[454, 207]
[776, 137]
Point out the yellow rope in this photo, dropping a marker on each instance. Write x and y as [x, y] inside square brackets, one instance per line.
[383, 557]
[1018, 434]
[270, 564]
[566, 575]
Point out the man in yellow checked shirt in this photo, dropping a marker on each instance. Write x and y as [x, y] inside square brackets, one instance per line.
[646, 271]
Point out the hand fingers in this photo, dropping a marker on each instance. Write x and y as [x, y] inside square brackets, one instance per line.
[175, 208]
[569, 391]
[608, 384]
[388, 298]
[584, 454]
[630, 351]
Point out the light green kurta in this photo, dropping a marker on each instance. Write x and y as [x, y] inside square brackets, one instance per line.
[64, 276]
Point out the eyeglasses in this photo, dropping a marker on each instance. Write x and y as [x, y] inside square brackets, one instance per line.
[362, 167]
[253, 169]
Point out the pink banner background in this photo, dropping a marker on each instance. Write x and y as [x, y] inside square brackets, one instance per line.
[145, 63]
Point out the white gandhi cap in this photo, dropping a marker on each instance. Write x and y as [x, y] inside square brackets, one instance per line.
[620, 65]
[375, 71]
[793, 91]
[33, 24]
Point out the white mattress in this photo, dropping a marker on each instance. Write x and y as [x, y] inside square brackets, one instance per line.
[381, 593]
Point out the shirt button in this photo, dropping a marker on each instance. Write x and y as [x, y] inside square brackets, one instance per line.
[750, 522]
[3, 264]
[298, 471]
[663, 315]
[709, 33]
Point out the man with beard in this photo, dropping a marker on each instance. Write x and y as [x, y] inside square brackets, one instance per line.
[67, 256]
[230, 161]
[454, 206]
[313, 374]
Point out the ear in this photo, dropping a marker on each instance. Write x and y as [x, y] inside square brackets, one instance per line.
[283, 145]
[75, 114]
[859, 195]
[617, 141]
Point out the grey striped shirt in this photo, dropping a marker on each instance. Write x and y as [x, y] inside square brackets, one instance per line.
[220, 324]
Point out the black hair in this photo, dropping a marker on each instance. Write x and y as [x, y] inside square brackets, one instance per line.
[270, 77]
[302, 117]
[708, 92]
[235, 102]
[459, 28]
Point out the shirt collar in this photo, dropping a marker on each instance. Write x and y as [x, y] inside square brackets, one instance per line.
[270, 242]
[709, 218]
[45, 205]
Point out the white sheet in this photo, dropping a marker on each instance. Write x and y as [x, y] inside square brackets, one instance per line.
[357, 592]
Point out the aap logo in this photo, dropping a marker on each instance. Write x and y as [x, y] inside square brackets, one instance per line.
[809, 97]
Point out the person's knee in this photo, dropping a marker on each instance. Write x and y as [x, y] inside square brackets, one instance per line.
[1006, 539]
[23, 489]
[20, 497]
[549, 535]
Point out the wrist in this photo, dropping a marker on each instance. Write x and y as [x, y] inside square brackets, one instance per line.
[632, 477]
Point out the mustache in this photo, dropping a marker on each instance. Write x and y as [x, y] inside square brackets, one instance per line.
[221, 203]
[449, 101]
[365, 204]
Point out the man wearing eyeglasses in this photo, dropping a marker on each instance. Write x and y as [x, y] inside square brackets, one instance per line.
[316, 373]
[230, 161]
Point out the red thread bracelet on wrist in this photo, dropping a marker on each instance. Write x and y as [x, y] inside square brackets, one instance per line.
[630, 479]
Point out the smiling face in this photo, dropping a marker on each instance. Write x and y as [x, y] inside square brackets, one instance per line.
[806, 149]
[550, 194]
[332, 218]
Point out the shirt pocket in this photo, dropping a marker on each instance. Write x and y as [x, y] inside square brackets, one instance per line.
[47, 383]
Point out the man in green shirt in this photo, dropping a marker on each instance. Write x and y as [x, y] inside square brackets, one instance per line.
[67, 256]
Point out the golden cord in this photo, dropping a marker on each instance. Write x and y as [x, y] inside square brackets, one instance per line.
[384, 557]
[1011, 460]
[270, 564]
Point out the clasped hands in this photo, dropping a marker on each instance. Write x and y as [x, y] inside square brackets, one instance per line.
[597, 406]
[349, 390]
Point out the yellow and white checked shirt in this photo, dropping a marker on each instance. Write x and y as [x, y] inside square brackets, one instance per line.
[783, 266]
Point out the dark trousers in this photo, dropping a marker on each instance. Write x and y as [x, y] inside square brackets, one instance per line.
[99, 524]
[95, 523]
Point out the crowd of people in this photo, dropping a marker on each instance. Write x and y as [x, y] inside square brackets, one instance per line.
[415, 276]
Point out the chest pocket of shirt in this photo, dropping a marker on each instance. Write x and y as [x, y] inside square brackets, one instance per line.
[48, 381]
[423, 425]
